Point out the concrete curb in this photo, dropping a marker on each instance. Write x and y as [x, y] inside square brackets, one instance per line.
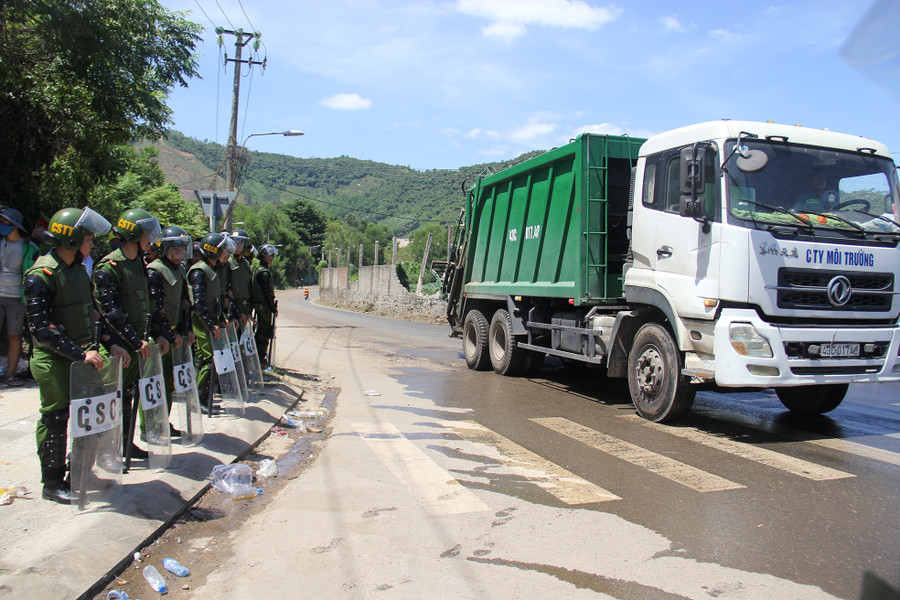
[50, 551]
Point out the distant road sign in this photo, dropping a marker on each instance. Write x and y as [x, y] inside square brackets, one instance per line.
[214, 202]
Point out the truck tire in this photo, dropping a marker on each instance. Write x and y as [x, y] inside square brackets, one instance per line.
[506, 356]
[475, 341]
[658, 389]
[812, 399]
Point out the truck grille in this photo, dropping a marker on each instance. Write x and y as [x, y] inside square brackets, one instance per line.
[808, 289]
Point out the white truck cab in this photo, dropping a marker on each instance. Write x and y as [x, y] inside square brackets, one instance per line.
[772, 250]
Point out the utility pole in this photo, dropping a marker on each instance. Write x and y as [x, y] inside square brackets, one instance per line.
[241, 39]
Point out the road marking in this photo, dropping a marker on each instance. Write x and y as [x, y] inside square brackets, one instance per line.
[552, 478]
[842, 445]
[438, 491]
[776, 460]
[671, 469]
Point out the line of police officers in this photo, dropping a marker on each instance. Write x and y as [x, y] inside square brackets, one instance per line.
[128, 305]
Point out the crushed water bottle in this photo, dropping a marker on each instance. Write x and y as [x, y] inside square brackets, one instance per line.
[176, 568]
[155, 580]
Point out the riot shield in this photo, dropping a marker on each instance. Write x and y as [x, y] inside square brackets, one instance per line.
[95, 429]
[233, 343]
[185, 401]
[227, 376]
[252, 367]
[152, 388]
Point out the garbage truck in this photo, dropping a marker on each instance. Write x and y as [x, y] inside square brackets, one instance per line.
[722, 255]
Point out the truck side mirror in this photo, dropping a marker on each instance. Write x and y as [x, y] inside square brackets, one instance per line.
[692, 206]
[692, 166]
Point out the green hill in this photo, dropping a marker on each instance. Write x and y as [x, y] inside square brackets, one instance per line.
[401, 198]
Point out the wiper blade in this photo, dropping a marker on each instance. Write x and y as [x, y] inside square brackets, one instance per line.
[883, 218]
[862, 230]
[778, 209]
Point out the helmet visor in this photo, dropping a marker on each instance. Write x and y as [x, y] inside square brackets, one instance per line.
[176, 247]
[91, 221]
[227, 245]
[152, 227]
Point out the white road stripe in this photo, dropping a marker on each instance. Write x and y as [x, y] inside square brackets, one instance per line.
[776, 460]
[842, 445]
[671, 469]
[438, 491]
[552, 478]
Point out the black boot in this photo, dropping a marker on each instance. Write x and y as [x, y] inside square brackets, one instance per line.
[59, 492]
[52, 432]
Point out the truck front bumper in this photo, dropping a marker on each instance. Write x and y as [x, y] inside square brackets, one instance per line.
[795, 356]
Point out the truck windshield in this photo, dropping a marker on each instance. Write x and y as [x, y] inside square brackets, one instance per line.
[822, 190]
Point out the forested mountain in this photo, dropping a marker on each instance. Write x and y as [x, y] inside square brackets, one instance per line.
[398, 197]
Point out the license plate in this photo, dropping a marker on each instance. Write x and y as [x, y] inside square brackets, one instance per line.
[839, 350]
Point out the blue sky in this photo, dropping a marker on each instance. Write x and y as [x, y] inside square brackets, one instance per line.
[445, 84]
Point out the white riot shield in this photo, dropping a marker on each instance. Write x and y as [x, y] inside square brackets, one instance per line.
[227, 376]
[252, 367]
[238, 361]
[95, 429]
[185, 401]
[152, 388]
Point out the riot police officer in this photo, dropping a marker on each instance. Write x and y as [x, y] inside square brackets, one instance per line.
[122, 294]
[206, 298]
[264, 303]
[167, 278]
[240, 274]
[60, 313]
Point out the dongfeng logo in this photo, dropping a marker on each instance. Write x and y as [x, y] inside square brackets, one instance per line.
[839, 291]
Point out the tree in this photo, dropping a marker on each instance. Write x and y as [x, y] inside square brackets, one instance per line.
[307, 221]
[77, 80]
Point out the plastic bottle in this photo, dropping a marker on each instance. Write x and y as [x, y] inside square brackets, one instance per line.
[173, 566]
[155, 580]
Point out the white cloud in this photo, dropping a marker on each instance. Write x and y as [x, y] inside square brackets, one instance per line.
[472, 133]
[613, 129]
[672, 24]
[532, 132]
[510, 17]
[346, 102]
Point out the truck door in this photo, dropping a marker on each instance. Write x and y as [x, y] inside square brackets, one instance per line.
[686, 257]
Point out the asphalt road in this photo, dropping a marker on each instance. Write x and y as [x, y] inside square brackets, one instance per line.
[442, 482]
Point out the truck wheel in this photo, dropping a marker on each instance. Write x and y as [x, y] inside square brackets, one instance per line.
[812, 399]
[506, 357]
[475, 341]
[658, 389]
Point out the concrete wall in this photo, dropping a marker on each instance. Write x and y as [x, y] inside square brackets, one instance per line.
[378, 290]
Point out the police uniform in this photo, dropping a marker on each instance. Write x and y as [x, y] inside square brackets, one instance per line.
[59, 310]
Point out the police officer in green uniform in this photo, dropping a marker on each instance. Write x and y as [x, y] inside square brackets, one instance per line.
[167, 278]
[122, 294]
[264, 301]
[206, 298]
[60, 313]
[240, 274]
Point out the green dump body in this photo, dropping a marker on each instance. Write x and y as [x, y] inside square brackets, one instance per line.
[554, 226]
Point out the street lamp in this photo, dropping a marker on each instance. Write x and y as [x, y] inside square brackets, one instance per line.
[288, 133]
[231, 156]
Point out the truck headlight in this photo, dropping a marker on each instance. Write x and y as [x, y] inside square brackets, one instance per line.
[746, 341]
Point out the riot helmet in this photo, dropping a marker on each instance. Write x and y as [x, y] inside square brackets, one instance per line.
[176, 240]
[268, 250]
[213, 244]
[241, 240]
[134, 223]
[69, 226]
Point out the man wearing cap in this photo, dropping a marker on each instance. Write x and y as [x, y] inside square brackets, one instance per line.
[17, 254]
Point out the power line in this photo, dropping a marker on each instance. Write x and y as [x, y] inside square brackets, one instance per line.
[224, 15]
[207, 16]
[246, 15]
